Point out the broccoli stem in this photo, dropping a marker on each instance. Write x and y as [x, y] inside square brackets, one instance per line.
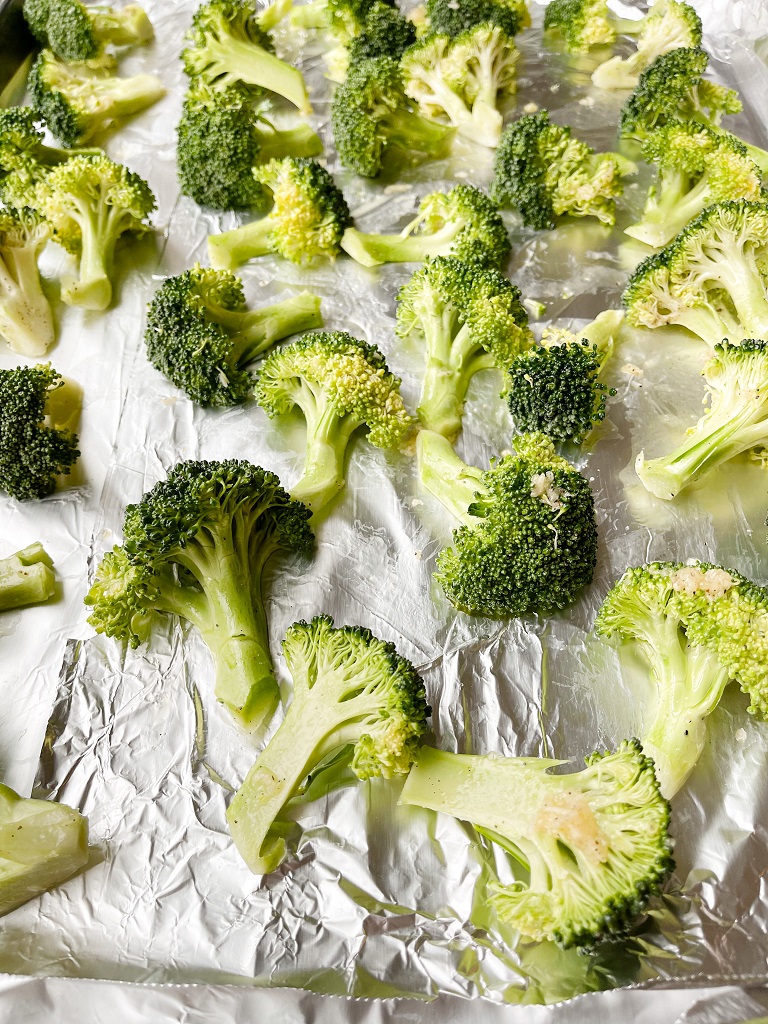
[256, 66]
[311, 15]
[451, 363]
[737, 271]
[602, 334]
[411, 132]
[26, 320]
[128, 26]
[669, 210]
[301, 141]
[327, 439]
[231, 249]
[93, 289]
[126, 96]
[455, 484]
[373, 250]
[273, 14]
[259, 329]
[26, 578]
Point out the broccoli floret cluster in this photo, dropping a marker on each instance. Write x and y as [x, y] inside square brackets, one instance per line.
[345, 19]
[26, 577]
[75, 32]
[384, 33]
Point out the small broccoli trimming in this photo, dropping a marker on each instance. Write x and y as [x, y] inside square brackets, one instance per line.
[468, 318]
[196, 546]
[26, 577]
[343, 18]
[76, 32]
[37, 407]
[201, 336]
[452, 17]
[348, 688]
[26, 320]
[698, 626]
[584, 24]
[340, 384]
[595, 842]
[463, 223]
[528, 538]
[385, 33]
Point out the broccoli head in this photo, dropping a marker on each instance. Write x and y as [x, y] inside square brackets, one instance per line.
[385, 33]
[26, 577]
[26, 320]
[584, 24]
[452, 17]
[345, 19]
[75, 32]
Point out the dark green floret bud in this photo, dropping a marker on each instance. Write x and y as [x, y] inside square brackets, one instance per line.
[452, 17]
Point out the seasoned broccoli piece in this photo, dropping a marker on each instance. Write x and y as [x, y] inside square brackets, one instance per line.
[306, 222]
[462, 79]
[371, 116]
[201, 336]
[385, 33]
[468, 319]
[669, 25]
[711, 279]
[736, 420]
[78, 101]
[26, 578]
[76, 32]
[37, 407]
[222, 137]
[227, 46]
[452, 17]
[340, 384]
[698, 626]
[26, 320]
[196, 546]
[595, 843]
[42, 844]
[556, 388]
[91, 202]
[463, 223]
[344, 18]
[586, 23]
[528, 539]
[544, 172]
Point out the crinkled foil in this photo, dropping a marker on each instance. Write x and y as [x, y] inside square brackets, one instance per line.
[374, 900]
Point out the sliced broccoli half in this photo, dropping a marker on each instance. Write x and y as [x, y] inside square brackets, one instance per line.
[452, 17]
[595, 843]
[26, 320]
[196, 546]
[584, 24]
[75, 32]
[340, 384]
[528, 538]
[348, 688]
[26, 577]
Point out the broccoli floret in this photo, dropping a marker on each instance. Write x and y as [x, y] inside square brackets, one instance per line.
[468, 319]
[736, 420]
[385, 33]
[26, 578]
[666, 27]
[201, 336]
[698, 626]
[528, 539]
[26, 320]
[344, 18]
[544, 172]
[340, 384]
[348, 688]
[306, 222]
[556, 388]
[196, 546]
[76, 32]
[42, 844]
[595, 842]
[586, 23]
[711, 279]
[227, 46]
[462, 79]
[463, 223]
[78, 101]
[91, 202]
[452, 17]
[371, 116]
[37, 445]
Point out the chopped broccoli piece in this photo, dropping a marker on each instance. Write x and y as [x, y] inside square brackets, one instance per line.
[75, 32]
[595, 843]
[463, 223]
[340, 384]
[586, 23]
[196, 546]
[556, 388]
[528, 539]
[26, 577]
[36, 444]
[26, 320]
[201, 336]
[78, 101]
[348, 688]
[344, 18]
[385, 33]
[468, 318]
[452, 17]
[698, 626]
[544, 172]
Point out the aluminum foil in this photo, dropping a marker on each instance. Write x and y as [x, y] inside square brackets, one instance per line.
[375, 900]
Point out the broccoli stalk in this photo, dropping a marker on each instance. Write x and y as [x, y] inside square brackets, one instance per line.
[584, 24]
[26, 577]
[348, 688]
[26, 320]
[75, 32]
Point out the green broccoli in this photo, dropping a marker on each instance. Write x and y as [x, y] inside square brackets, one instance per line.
[340, 384]
[711, 279]
[79, 101]
[26, 320]
[75, 32]
[348, 688]
[384, 33]
[556, 388]
[37, 444]
[452, 17]
[26, 577]
[371, 118]
[528, 538]
[584, 24]
[544, 172]
[227, 46]
[463, 223]
[736, 420]
[306, 222]
[698, 626]
[468, 318]
[595, 843]
[344, 18]
[196, 546]
[201, 336]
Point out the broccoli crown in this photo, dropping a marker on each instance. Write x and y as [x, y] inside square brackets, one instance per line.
[694, 149]
[385, 33]
[32, 454]
[596, 842]
[347, 18]
[64, 26]
[471, 219]
[582, 23]
[21, 142]
[452, 17]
